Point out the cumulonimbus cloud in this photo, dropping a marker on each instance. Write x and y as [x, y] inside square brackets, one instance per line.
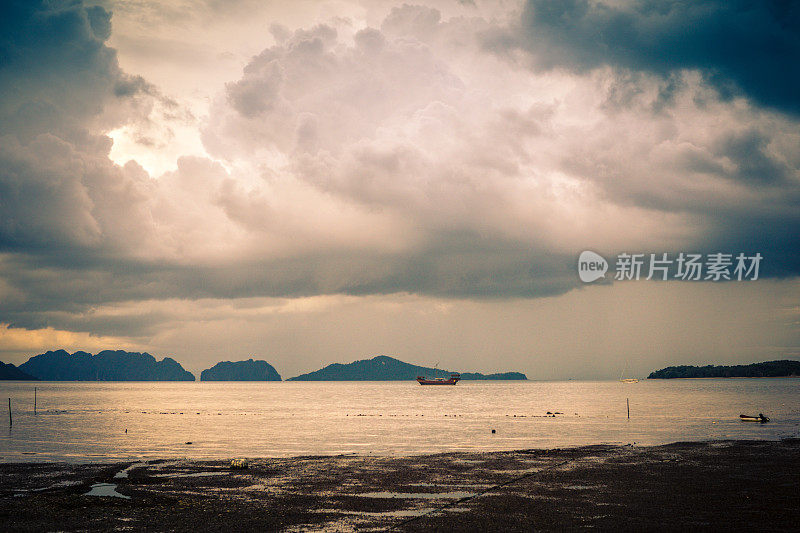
[413, 156]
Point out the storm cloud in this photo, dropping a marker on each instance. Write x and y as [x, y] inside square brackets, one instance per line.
[742, 47]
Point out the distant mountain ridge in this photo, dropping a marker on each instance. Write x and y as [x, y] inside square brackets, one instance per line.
[108, 365]
[767, 369]
[249, 370]
[385, 368]
[9, 372]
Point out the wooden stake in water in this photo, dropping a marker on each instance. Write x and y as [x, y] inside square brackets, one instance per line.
[628, 403]
[10, 420]
[34, 400]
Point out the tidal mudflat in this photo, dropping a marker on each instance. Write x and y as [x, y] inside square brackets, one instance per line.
[736, 485]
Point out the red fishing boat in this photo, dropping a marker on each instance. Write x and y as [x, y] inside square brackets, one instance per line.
[454, 378]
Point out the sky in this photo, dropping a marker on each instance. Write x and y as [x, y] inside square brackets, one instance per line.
[324, 181]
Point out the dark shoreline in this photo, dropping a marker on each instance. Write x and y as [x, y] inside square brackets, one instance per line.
[739, 485]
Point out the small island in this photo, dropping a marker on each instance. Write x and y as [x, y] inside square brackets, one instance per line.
[249, 370]
[385, 368]
[767, 369]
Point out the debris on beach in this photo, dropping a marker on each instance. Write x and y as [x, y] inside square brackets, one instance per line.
[750, 418]
[239, 464]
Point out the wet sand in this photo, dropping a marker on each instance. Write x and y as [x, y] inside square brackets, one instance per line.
[744, 485]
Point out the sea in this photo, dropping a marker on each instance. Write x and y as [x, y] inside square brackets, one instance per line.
[83, 422]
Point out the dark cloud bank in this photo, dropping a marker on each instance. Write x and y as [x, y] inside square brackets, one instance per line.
[748, 47]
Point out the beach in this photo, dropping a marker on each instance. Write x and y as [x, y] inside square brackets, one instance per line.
[720, 485]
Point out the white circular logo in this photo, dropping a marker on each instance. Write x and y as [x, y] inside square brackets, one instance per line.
[591, 266]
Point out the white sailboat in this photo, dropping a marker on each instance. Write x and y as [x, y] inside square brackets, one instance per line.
[623, 379]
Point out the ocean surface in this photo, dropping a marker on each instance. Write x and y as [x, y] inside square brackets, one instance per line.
[87, 422]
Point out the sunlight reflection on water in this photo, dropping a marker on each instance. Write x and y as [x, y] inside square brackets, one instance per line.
[87, 421]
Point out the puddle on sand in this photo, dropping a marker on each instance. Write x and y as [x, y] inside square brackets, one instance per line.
[106, 489]
[57, 485]
[192, 474]
[407, 513]
[467, 461]
[123, 474]
[459, 485]
[455, 495]
[395, 514]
